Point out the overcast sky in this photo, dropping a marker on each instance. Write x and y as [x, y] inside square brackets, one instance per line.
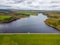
[30, 4]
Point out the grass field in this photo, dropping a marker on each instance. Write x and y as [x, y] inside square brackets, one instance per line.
[53, 20]
[3, 17]
[29, 39]
[6, 18]
[27, 13]
[53, 15]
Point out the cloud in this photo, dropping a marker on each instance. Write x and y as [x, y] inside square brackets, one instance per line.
[30, 4]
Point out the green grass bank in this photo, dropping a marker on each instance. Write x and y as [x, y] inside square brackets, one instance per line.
[53, 20]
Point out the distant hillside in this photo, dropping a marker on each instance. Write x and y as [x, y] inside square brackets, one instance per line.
[5, 11]
[15, 10]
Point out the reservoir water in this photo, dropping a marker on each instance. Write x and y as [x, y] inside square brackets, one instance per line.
[32, 24]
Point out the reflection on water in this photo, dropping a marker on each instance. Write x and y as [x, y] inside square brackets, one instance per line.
[32, 24]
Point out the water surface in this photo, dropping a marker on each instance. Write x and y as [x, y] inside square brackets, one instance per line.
[32, 24]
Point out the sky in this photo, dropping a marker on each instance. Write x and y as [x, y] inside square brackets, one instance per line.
[30, 4]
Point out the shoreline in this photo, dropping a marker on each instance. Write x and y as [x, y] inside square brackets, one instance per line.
[51, 25]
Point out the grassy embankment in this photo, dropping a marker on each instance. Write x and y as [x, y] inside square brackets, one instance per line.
[29, 39]
[5, 18]
[53, 20]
